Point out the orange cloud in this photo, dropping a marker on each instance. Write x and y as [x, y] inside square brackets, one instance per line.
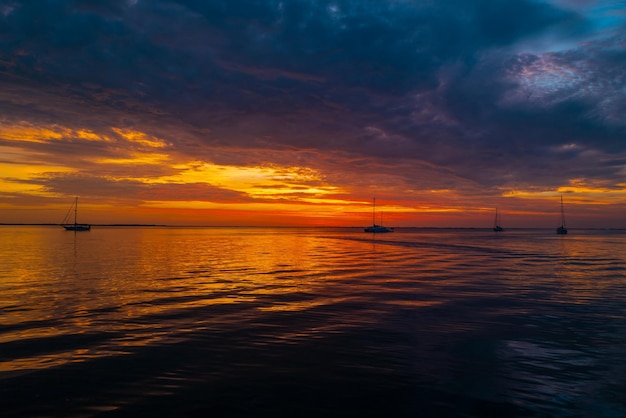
[578, 191]
[26, 132]
[139, 138]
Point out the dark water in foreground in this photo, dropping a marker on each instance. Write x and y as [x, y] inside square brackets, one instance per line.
[312, 323]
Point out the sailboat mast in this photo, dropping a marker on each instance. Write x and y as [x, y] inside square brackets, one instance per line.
[562, 213]
[374, 213]
[75, 209]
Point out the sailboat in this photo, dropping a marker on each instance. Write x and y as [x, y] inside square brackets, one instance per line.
[75, 226]
[376, 228]
[496, 223]
[561, 230]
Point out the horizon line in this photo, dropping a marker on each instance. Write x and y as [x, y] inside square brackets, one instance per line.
[296, 226]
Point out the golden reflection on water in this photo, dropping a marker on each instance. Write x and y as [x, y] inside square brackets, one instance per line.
[123, 288]
[130, 280]
[302, 305]
[588, 268]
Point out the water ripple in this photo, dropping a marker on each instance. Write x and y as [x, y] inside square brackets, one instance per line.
[303, 322]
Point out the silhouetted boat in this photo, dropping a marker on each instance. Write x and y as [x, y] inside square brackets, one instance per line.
[75, 226]
[561, 230]
[496, 223]
[376, 228]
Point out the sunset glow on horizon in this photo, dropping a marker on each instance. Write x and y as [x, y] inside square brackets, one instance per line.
[299, 113]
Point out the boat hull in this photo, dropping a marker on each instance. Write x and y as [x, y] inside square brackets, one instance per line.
[378, 229]
[561, 230]
[77, 227]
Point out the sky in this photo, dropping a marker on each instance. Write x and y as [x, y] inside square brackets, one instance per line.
[300, 112]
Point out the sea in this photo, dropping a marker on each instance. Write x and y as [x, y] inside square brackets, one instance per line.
[311, 322]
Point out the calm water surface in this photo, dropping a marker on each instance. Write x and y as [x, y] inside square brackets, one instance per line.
[312, 322]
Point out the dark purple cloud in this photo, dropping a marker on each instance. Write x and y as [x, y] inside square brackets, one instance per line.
[451, 86]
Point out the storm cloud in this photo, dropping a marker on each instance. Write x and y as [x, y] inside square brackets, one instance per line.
[491, 95]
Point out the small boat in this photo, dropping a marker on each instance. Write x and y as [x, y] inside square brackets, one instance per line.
[561, 230]
[496, 223]
[75, 226]
[376, 228]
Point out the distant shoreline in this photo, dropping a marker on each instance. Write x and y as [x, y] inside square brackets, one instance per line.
[304, 226]
[45, 224]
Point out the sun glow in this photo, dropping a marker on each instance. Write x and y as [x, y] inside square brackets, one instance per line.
[267, 182]
[24, 178]
[155, 183]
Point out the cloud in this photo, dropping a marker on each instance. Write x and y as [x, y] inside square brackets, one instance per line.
[417, 95]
